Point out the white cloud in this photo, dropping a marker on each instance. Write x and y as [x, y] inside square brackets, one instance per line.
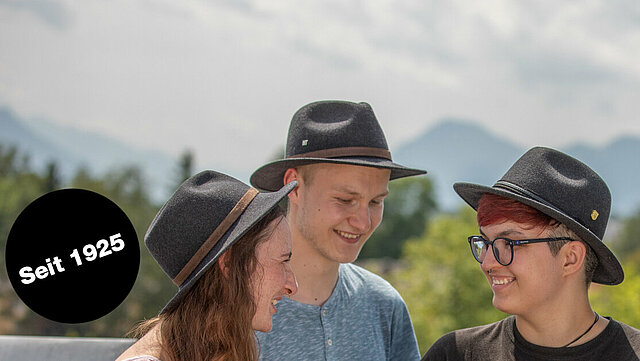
[49, 12]
[224, 77]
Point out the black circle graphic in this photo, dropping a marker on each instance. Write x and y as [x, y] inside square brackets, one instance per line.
[72, 256]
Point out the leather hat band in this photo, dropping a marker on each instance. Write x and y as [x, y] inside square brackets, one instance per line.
[523, 192]
[346, 152]
[222, 228]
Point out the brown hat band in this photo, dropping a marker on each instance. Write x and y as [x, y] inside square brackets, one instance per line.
[347, 152]
[222, 228]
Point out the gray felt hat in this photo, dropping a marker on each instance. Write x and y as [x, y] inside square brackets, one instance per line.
[208, 213]
[332, 132]
[565, 189]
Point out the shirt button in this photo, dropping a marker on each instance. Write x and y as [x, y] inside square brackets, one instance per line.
[329, 342]
[324, 312]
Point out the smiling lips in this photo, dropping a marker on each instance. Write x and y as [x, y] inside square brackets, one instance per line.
[499, 281]
[349, 237]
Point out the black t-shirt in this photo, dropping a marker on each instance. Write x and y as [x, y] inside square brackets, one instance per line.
[501, 341]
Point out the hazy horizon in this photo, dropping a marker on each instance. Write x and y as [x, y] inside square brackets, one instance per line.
[223, 78]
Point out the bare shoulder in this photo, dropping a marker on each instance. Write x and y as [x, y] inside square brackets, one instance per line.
[145, 349]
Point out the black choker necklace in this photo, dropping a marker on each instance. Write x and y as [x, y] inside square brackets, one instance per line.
[585, 332]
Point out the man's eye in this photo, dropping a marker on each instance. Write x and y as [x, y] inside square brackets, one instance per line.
[345, 201]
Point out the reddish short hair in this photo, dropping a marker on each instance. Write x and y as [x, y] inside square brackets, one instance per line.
[493, 209]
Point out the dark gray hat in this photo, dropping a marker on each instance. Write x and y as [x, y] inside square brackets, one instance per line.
[208, 213]
[565, 189]
[332, 132]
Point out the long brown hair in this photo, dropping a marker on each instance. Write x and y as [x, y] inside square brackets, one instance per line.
[213, 320]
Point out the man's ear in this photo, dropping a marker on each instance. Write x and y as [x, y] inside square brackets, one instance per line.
[573, 256]
[290, 175]
[223, 263]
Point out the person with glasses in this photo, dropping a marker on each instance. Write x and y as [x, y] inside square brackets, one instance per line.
[540, 247]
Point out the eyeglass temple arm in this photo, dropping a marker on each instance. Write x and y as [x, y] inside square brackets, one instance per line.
[538, 240]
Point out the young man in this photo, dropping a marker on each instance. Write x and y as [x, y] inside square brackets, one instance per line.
[337, 152]
[540, 246]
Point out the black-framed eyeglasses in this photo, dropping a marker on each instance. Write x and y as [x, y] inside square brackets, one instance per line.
[503, 247]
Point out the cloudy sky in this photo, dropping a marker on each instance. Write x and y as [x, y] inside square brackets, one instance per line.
[224, 77]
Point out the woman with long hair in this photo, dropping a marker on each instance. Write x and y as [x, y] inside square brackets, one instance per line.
[227, 247]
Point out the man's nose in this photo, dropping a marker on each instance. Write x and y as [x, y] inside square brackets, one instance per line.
[291, 284]
[361, 219]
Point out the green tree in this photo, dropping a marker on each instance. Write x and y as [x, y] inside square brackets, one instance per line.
[407, 210]
[620, 301]
[18, 187]
[185, 166]
[626, 241]
[127, 188]
[441, 282]
[124, 186]
[52, 179]
[12, 162]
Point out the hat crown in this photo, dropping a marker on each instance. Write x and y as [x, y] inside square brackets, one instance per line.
[333, 124]
[565, 184]
[332, 131]
[173, 238]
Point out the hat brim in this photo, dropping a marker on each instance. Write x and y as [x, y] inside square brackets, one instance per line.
[608, 272]
[271, 175]
[262, 204]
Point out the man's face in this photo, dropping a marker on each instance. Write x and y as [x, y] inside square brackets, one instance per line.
[338, 208]
[532, 282]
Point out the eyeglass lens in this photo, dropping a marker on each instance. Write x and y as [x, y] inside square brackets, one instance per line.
[501, 250]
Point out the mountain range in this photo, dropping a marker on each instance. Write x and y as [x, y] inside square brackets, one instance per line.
[43, 141]
[451, 151]
[457, 150]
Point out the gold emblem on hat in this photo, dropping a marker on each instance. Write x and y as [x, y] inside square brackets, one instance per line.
[594, 215]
